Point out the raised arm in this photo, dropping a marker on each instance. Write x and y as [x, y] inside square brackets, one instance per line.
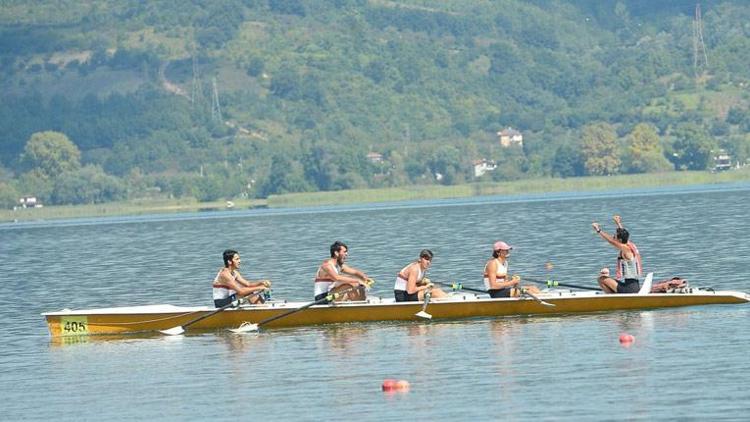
[627, 253]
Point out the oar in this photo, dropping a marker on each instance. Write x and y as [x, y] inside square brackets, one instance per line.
[459, 286]
[525, 292]
[174, 331]
[553, 283]
[423, 313]
[247, 327]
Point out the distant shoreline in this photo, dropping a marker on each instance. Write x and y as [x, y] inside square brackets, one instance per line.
[365, 196]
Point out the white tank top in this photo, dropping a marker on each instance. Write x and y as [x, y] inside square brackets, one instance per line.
[324, 286]
[222, 292]
[401, 281]
[502, 272]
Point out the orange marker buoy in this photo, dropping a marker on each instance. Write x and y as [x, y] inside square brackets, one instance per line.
[389, 384]
[626, 339]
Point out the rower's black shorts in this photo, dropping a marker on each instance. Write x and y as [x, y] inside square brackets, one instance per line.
[496, 293]
[226, 301]
[629, 285]
[402, 296]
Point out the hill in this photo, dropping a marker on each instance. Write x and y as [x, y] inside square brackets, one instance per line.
[256, 97]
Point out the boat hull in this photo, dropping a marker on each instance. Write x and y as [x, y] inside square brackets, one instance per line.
[126, 320]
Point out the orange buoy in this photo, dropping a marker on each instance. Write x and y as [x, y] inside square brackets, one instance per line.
[389, 384]
[626, 339]
[403, 385]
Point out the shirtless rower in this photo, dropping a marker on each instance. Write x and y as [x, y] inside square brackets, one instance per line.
[229, 285]
[334, 272]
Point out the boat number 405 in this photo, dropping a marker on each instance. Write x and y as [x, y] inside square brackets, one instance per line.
[74, 325]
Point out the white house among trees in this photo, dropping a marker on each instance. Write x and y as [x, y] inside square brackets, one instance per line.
[510, 136]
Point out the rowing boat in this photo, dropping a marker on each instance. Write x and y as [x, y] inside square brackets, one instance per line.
[132, 319]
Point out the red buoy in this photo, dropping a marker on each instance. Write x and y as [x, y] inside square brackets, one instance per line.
[389, 384]
[626, 339]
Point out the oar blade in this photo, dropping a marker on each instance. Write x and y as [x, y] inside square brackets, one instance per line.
[245, 328]
[174, 331]
[423, 314]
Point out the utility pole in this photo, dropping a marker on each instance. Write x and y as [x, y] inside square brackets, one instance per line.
[215, 108]
[196, 92]
[700, 61]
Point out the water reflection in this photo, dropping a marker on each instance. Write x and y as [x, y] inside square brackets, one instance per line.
[340, 341]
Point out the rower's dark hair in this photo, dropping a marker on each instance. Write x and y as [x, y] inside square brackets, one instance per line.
[336, 246]
[228, 255]
[622, 235]
[426, 253]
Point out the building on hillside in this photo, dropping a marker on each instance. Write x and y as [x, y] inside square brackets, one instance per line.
[482, 166]
[375, 157]
[509, 137]
[29, 202]
[722, 161]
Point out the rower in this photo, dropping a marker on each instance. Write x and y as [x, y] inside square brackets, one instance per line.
[334, 273]
[229, 285]
[629, 265]
[411, 284]
[496, 274]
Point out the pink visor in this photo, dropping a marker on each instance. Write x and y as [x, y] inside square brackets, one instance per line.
[501, 246]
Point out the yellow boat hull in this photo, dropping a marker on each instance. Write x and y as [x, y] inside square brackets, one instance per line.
[124, 320]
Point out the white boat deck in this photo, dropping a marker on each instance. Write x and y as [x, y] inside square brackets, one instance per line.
[547, 294]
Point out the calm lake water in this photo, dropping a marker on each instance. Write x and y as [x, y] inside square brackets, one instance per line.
[686, 363]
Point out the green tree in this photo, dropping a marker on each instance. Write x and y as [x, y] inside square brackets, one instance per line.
[8, 195]
[34, 183]
[511, 164]
[568, 162]
[643, 151]
[736, 115]
[87, 185]
[692, 147]
[738, 146]
[599, 149]
[446, 161]
[286, 176]
[51, 153]
[396, 169]
[209, 188]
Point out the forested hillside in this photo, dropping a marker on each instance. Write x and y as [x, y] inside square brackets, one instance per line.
[106, 100]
